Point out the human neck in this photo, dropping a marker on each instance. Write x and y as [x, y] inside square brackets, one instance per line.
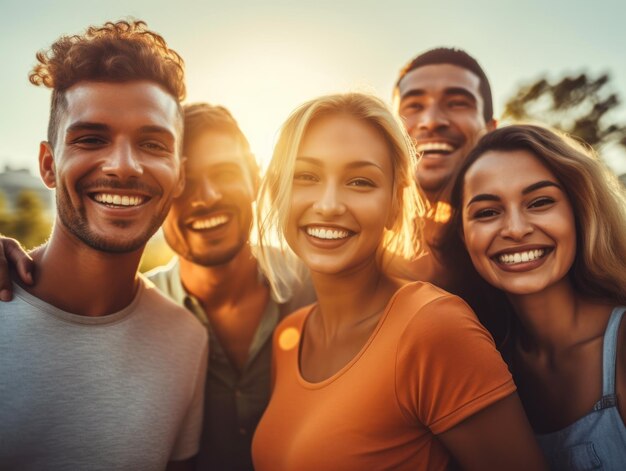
[79, 279]
[219, 284]
[345, 300]
[556, 318]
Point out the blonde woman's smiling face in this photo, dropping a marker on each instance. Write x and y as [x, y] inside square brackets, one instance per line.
[342, 194]
[518, 223]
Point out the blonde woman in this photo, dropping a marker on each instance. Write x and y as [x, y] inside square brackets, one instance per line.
[545, 224]
[377, 374]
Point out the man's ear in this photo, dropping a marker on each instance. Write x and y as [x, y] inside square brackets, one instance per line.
[47, 169]
[180, 184]
[491, 125]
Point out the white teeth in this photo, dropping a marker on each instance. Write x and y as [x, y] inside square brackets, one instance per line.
[209, 223]
[118, 200]
[331, 234]
[521, 257]
[434, 147]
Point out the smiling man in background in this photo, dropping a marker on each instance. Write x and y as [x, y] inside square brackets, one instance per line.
[216, 276]
[444, 98]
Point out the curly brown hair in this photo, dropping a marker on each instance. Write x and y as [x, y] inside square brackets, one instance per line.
[114, 52]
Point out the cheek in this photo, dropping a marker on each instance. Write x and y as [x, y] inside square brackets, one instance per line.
[476, 243]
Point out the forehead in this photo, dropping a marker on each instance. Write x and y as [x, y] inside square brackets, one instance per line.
[505, 171]
[122, 106]
[339, 138]
[215, 148]
[436, 78]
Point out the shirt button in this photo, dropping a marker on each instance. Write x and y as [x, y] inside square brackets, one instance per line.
[238, 393]
[242, 431]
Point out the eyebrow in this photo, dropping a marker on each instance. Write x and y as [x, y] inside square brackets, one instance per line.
[525, 191]
[99, 127]
[87, 126]
[418, 92]
[357, 164]
[538, 185]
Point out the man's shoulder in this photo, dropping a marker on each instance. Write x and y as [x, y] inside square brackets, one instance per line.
[164, 311]
[165, 276]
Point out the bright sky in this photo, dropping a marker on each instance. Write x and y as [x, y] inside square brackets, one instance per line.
[261, 59]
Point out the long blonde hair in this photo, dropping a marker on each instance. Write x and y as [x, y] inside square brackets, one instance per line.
[403, 238]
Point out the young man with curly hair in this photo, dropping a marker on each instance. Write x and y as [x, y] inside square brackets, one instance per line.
[100, 370]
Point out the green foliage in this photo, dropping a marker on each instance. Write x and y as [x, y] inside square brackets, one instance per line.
[578, 105]
[28, 222]
[156, 253]
[5, 216]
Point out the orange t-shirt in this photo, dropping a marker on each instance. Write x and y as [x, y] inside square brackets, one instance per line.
[427, 366]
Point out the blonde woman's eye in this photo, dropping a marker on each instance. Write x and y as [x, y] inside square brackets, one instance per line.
[362, 182]
[304, 177]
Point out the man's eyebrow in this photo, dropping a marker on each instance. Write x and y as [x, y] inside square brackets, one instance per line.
[87, 126]
[414, 92]
[460, 91]
[483, 197]
[417, 92]
[153, 129]
[539, 185]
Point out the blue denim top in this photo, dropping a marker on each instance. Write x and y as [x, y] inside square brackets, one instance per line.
[597, 441]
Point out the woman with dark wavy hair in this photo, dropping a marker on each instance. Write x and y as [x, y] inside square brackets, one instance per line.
[544, 223]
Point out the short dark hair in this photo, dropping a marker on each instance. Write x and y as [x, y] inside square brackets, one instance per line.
[460, 58]
[203, 117]
[114, 52]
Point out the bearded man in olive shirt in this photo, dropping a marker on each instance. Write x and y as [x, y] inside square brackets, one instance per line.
[216, 276]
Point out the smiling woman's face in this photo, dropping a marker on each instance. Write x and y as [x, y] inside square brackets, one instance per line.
[518, 223]
[341, 195]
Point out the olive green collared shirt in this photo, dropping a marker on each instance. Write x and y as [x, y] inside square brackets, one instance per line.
[234, 400]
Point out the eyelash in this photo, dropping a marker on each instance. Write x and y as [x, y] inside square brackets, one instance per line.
[89, 140]
[306, 177]
[540, 202]
[361, 182]
[485, 213]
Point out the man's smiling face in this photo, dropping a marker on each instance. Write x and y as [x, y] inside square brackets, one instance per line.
[442, 108]
[116, 163]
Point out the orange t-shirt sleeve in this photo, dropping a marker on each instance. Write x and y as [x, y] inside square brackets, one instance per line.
[447, 366]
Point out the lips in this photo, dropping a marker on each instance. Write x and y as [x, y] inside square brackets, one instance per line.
[206, 223]
[435, 147]
[527, 257]
[116, 199]
[327, 233]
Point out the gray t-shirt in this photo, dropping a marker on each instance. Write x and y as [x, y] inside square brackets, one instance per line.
[118, 392]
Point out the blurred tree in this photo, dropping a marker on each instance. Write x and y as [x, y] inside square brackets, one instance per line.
[156, 253]
[6, 220]
[30, 225]
[579, 106]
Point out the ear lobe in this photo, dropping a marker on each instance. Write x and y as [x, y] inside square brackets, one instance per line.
[492, 125]
[47, 169]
